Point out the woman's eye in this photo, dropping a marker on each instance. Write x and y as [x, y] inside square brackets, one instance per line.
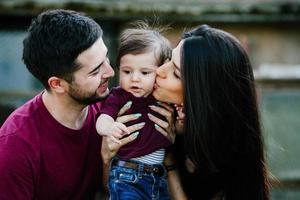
[126, 71]
[176, 75]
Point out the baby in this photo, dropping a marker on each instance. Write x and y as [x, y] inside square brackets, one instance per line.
[137, 172]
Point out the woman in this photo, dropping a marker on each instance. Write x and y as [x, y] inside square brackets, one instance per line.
[210, 73]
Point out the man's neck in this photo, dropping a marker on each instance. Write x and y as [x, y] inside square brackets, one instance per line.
[65, 110]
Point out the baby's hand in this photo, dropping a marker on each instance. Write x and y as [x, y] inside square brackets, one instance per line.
[116, 131]
[107, 126]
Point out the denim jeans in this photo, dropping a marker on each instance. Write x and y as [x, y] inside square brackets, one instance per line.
[130, 184]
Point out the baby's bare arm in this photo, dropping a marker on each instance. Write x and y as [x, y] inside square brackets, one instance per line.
[107, 126]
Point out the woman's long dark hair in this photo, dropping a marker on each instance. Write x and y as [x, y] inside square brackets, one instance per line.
[223, 136]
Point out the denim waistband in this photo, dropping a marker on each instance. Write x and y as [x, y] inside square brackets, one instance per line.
[155, 169]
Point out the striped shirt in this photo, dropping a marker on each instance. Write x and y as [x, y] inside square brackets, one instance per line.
[156, 157]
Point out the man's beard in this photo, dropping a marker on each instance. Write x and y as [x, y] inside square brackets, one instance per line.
[84, 98]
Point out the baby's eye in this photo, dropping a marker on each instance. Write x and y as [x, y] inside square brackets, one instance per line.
[145, 73]
[167, 60]
[126, 71]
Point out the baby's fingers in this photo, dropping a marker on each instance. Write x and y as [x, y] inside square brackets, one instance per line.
[116, 140]
[124, 130]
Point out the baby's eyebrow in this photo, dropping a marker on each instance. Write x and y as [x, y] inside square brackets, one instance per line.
[148, 68]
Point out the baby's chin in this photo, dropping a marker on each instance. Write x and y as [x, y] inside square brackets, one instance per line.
[139, 94]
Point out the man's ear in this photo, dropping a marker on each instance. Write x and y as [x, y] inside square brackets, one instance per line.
[57, 84]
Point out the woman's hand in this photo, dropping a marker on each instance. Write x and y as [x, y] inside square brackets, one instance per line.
[174, 181]
[180, 112]
[179, 124]
[167, 128]
[110, 147]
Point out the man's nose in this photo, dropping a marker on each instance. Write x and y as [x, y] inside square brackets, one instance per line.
[109, 72]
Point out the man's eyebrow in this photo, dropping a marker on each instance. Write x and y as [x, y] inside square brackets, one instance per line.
[97, 67]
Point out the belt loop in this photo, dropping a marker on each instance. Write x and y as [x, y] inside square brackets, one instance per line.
[140, 170]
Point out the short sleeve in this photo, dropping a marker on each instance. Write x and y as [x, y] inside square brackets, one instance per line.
[114, 102]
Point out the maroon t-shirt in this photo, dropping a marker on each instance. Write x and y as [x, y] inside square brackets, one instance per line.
[149, 139]
[42, 159]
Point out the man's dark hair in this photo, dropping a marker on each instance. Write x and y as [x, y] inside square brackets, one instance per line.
[54, 41]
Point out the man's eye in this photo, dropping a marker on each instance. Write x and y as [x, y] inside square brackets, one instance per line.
[95, 73]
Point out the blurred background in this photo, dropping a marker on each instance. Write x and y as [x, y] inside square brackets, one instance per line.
[268, 29]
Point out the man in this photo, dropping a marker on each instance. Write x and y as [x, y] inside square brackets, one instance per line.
[49, 148]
